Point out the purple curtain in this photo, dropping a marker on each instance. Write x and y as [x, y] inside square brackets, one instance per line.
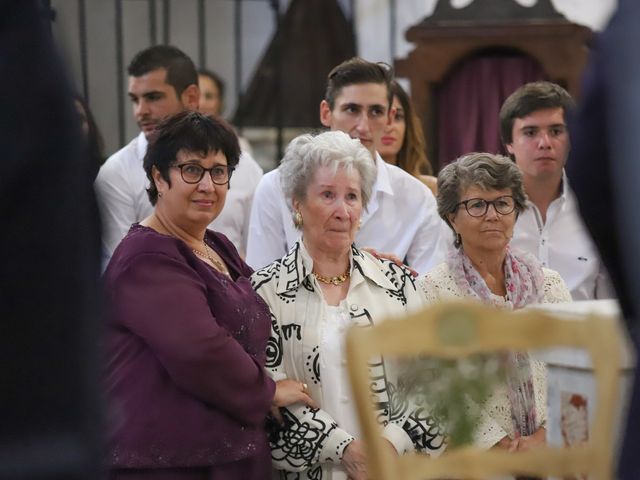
[470, 98]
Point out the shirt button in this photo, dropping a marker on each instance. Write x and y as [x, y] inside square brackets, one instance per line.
[354, 307]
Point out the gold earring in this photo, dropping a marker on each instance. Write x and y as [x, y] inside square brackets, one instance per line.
[297, 219]
[359, 223]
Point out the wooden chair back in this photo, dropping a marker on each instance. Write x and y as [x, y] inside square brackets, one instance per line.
[455, 330]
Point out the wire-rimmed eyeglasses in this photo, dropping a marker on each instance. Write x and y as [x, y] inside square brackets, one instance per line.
[478, 207]
[193, 173]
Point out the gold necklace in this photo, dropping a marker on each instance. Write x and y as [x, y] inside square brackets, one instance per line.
[337, 280]
[207, 256]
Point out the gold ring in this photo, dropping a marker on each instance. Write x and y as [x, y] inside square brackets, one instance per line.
[304, 387]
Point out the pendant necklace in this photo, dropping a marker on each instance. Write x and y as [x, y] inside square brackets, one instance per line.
[214, 261]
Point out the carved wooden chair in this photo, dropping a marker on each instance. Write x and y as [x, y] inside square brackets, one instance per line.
[452, 330]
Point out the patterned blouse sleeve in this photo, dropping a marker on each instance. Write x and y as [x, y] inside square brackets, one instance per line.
[428, 289]
[555, 290]
[411, 427]
[308, 436]
[493, 418]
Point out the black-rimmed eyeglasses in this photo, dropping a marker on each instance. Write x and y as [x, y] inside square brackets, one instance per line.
[478, 207]
[193, 173]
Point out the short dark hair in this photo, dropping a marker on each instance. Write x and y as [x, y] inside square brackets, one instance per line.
[356, 71]
[181, 72]
[528, 99]
[192, 132]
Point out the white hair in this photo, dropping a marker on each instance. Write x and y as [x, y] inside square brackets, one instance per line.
[335, 149]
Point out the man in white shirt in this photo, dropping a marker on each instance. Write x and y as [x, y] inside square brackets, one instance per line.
[534, 131]
[401, 217]
[163, 81]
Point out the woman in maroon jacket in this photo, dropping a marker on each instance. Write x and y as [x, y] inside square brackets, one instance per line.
[186, 335]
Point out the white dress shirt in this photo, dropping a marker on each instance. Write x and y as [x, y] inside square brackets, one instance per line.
[121, 190]
[401, 218]
[563, 244]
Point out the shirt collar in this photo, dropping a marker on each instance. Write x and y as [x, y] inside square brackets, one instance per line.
[564, 186]
[383, 182]
[297, 267]
[141, 145]
[564, 190]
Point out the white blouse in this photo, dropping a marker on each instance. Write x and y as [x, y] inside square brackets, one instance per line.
[495, 419]
[337, 399]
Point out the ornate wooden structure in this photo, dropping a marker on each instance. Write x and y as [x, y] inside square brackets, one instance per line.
[450, 35]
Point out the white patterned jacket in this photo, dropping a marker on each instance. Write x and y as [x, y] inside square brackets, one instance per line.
[311, 444]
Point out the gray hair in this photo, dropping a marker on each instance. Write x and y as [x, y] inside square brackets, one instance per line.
[483, 170]
[306, 153]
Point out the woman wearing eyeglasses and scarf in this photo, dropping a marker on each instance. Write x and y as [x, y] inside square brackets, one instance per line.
[186, 335]
[480, 196]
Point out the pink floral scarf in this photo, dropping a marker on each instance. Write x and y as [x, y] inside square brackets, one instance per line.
[525, 285]
[523, 278]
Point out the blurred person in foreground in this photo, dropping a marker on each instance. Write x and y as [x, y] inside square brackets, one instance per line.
[403, 143]
[480, 196]
[605, 138]
[186, 334]
[92, 138]
[49, 252]
[324, 285]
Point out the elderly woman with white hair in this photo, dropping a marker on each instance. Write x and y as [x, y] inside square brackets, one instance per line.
[324, 285]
